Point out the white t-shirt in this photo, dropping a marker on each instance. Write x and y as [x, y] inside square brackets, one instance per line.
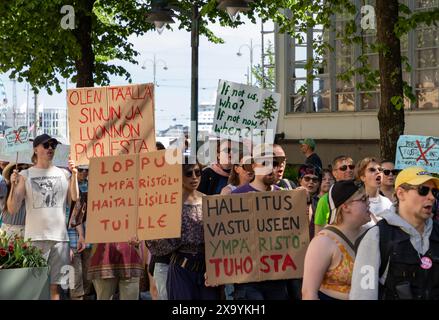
[377, 206]
[46, 201]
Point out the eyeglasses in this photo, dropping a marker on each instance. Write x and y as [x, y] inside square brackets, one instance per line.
[82, 170]
[48, 144]
[387, 172]
[190, 173]
[345, 167]
[373, 170]
[424, 191]
[364, 198]
[278, 161]
[308, 179]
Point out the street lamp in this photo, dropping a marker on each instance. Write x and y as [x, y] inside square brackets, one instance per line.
[234, 7]
[251, 47]
[154, 67]
[162, 13]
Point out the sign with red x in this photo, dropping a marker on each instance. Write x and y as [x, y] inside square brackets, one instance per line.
[418, 151]
[16, 139]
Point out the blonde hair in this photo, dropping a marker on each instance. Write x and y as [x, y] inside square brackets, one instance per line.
[362, 165]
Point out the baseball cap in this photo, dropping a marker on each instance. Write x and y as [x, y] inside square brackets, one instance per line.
[339, 193]
[309, 142]
[43, 138]
[415, 176]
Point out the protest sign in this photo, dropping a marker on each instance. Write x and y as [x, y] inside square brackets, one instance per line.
[255, 236]
[242, 110]
[109, 121]
[133, 195]
[16, 139]
[60, 159]
[418, 151]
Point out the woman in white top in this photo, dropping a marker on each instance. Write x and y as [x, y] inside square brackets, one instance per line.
[240, 175]
[369, 172]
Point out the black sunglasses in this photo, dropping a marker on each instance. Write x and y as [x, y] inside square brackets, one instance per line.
[373, 170]
[387, 172]
[190, 173]
[82, 170]
[424, 190]
[345, 167]
[308, 179]
[48, 144]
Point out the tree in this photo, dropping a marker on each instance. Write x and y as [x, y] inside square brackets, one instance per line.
[42, 40]
[391, 26]
[391, 112]
[265, 76]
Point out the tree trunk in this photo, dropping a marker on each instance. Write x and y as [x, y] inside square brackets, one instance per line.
[391, 120]
[85, 63]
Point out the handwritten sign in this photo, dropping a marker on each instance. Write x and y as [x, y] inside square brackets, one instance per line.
[133, 195]
[25, 154]
[109, 121]
[255, 236]
[16, 139]
[418, 151]
[242, 109]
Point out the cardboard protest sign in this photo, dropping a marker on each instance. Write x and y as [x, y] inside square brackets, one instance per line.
[255, 236]
[60, 159]
[133, 195]
[109, 121]
[16, 139]
[418, 151]
[241, 110]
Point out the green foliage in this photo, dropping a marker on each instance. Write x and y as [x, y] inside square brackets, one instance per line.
[265, 77]
[18, 253]
[398, 102]
[266, 114]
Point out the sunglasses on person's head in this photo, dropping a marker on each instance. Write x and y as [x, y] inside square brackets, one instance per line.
[52, 144]
[424, 191]
[387, 172]
[190, 173]
[373, 170]
[308, 179]
[345, 167]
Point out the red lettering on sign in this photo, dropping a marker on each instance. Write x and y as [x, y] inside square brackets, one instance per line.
[273, 261]
[232, 266]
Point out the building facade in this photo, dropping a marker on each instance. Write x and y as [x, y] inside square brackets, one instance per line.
[339, 116]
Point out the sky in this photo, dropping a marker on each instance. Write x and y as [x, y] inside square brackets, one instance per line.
[173, 97]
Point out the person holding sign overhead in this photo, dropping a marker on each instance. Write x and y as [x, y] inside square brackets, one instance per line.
[329, 260]
[187, 268]
[46, 190]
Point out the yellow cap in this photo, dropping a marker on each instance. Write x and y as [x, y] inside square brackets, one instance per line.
[415, 176]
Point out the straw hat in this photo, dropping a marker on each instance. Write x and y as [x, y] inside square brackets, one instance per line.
[7, 171]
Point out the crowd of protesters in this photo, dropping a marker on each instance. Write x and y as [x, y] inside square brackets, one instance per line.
[372, 229]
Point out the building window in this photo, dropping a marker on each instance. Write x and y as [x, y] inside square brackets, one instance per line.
[329, 93]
